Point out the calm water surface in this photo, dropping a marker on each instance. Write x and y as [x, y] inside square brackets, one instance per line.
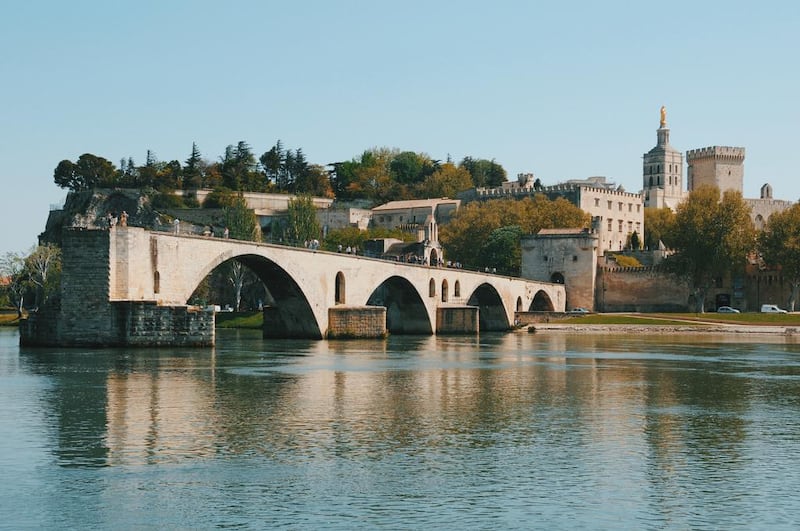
[515, 431]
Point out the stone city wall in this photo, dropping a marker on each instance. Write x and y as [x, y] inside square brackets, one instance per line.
[645, 289]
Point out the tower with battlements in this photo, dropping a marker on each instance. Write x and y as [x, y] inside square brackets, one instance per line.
[662, 171]
[720, 166]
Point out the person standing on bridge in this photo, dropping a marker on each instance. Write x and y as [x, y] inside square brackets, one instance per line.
[226, 232]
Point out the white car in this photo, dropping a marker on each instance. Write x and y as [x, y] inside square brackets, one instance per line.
[579, 311]
[727, 309]
[771, 308]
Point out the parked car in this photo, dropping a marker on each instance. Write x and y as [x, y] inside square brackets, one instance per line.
[727, 309]
[579, 311]
[771, 308]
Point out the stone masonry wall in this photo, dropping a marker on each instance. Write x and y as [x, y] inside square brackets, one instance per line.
[356, 322]
[639, 290]
[147, 324]
[457, 320]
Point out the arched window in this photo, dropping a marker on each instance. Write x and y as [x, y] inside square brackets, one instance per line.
[519, 304]
[444, 290]
[457, 289]
[432, 288]
[339, 288]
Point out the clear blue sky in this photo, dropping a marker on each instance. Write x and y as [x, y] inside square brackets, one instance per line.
[561, 89]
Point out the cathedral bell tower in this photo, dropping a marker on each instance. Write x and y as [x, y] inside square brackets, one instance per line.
[662, 171]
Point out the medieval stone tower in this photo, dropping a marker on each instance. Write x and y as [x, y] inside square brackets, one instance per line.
[719, 166]
[662, 171]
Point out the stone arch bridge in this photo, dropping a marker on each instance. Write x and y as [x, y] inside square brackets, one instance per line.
[130, 286]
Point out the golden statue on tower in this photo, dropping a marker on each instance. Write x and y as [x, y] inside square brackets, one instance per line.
[663, 116]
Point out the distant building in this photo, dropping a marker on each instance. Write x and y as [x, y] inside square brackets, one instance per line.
[662, 171]
[421, 217]
[719, 166]
[616, 214]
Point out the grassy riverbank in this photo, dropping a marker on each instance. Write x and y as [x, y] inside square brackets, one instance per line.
[668, 319]
[254, 320]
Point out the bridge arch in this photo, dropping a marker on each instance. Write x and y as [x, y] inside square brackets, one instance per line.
[492, 313]
[542, 302]
[405, 309]
[288, 313]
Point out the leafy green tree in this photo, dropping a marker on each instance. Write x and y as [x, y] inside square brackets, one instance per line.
[635, 244]
[193, 170]
[314, 181]
[241, 221]
[371, 177]
[658, 226]
[779, 244]
[472, 225]
[712, 238]
[484, 173]
[410, 169]
[355, 237]
[447, 181]
[12, 266]
[239, 168]
[272, 163]
[43, 267]
[501, 251]
[220, 198]
[89, 171]
[301, 221]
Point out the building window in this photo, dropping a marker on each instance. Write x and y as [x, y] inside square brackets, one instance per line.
[457, 289]
[574, 257]
[609, 205]
[545, 258]
[620, 206]
[432, 288]
[609, 225]
[597, 201]
[445, 294]
[339, 290]
[638, 208]
[630, 207]
[620, 225]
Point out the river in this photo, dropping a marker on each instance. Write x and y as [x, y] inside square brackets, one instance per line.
[505, 431]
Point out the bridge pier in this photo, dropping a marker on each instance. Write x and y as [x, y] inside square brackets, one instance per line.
[457, 320]
[351, 322]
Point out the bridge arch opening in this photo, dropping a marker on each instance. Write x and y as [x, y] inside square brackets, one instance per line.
[541, 302]
[445, 293]
[340, 292]
[557, 278]
[286, 310]
[405, 310]
[492, 314]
